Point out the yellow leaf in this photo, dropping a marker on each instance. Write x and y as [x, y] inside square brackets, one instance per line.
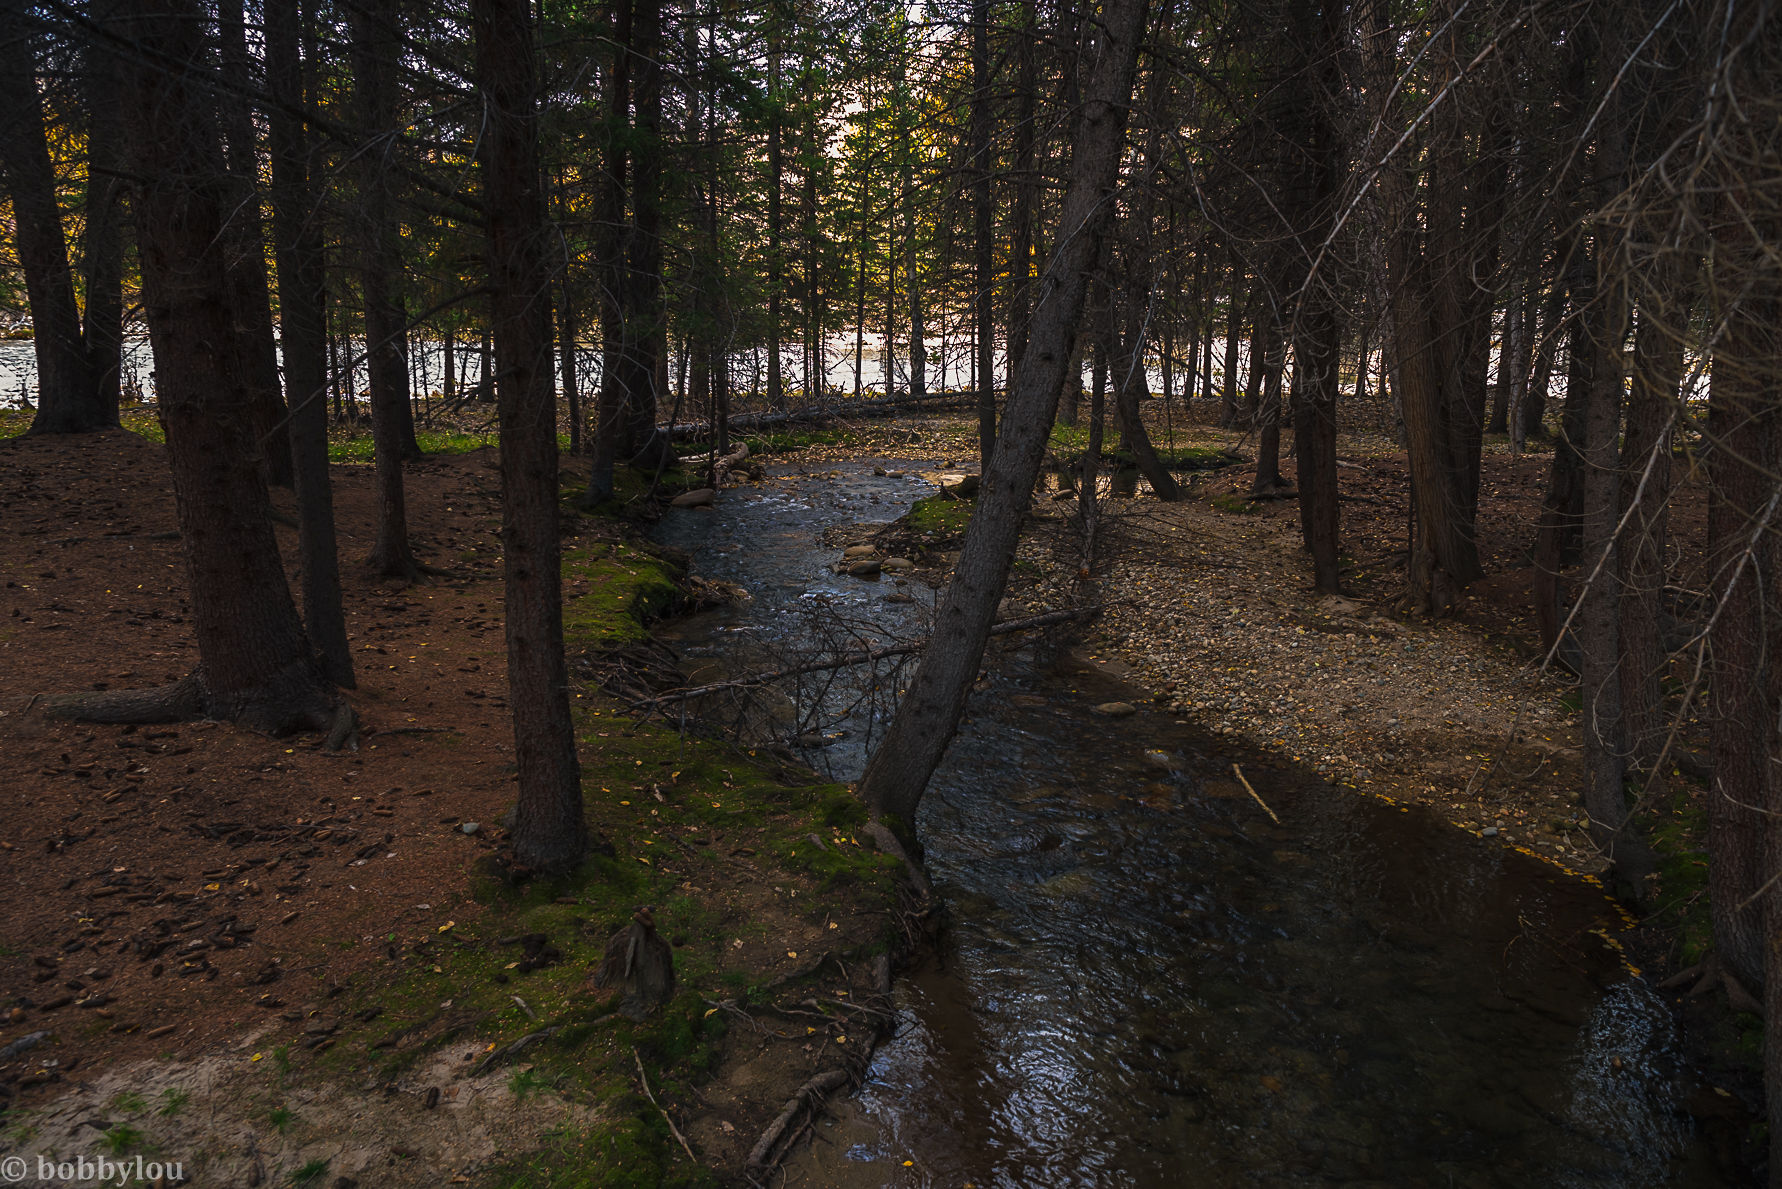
[446, 926]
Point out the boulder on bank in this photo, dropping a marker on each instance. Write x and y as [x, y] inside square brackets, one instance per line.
[700, 497]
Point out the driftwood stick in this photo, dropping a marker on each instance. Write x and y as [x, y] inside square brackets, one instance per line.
[1252, 792]
[863, 657]
[809, 1095]
[644, 1078]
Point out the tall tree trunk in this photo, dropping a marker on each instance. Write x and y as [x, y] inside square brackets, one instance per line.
[929, 714]
[68, 399]
[102, 329]
[566, 336]
[611, 239]
[1616, 833]
[776, 388]
[983, 265]
[1512, 369]
[1654, 401]
[1026, 184]
[374, 53]
[255, 666]
[550, 834]
[1318, 341]
[247, 258]
[1268, 414]
[1533, 414]
[1562, 508]
[646, 324]
[303, 326]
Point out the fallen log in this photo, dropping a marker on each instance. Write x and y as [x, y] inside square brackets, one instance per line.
[811, 414]
[863, 657]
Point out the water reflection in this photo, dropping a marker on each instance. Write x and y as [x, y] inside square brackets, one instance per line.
[1147, 982]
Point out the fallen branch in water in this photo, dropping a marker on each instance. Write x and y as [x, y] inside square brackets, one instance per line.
[863, 657]
[1252, 792]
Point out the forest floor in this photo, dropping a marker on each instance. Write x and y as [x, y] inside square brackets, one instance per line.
[275, 965]
[279, 965]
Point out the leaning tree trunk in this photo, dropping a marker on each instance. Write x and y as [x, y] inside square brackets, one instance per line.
[68, 401]
[303, 329]
[899, 770]
[550, 834]
[255, 666]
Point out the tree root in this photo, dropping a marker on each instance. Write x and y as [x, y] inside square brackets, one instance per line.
[180, 702]
[290, 700]
[809, 1097]
[1708, 974]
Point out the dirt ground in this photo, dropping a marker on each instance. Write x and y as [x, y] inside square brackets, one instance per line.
[269, 961]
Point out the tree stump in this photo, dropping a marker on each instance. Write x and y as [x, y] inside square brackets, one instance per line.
[640, 965]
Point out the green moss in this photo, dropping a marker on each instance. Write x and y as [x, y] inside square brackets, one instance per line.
[613, 591]
[1679, 841]
[632, 1151]
[1232, 502]
[942, 515]
[357, 447]
[1182, 458]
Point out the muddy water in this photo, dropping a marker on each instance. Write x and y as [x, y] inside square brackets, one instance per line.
[1147, 981]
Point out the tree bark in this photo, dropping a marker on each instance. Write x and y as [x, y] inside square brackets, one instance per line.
[247, 259]
[609, 215]
[900, 768]
[550, 835]
[255, 667]
[374, 50]
[983, 265]
[776, 387]
[303, 327]
[1268, 413]
[68, 399]
[102, 321]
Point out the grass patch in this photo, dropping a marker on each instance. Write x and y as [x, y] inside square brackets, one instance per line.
[281, 1119]
[355, 445]
[173, 1101]
[121, 1138]
[635, 1152]
[1227, 501]
[128, 1101]
[310, 1174]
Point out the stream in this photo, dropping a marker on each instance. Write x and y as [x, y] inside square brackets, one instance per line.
[1145, 981]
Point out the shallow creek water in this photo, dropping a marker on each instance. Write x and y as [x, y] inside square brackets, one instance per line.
[1146, 981]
